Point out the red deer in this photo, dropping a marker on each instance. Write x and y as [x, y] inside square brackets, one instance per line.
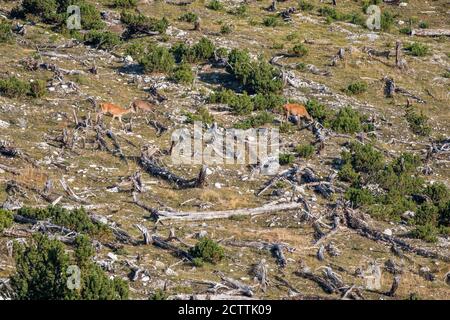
[114, 110]
[296, 110]
[142, 105]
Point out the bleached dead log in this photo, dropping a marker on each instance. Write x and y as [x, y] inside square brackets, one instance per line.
[164, 244]
[15, 185]
[394, 287]
[364, 230]
[332, 250]
[430, 32]
[321, 253]
[243, 288]
[408, 94]
[208, 215]
[325, 284]
[399, 61]
[329, 234]
[9, 169]
[145, 233]
[70, 193]
[260, 272]
[207, 297]
[136, 179]
[116, 145]
[151, 167]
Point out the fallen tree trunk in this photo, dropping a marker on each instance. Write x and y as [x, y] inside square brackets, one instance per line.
[208, 297]
[208, 215]
[364, 230]
[151, 167]
[430, 32]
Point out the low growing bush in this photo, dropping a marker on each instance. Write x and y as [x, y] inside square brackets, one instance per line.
[208, 251]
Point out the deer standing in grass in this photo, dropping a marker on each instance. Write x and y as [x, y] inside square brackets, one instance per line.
[114, 110]
[142, 105]
[296, 110]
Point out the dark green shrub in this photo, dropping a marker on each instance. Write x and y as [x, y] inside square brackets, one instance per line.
[77, 219]
[438, 193]
[417, 49]
[6, 34]
[223, 96]
[300, 50]
[357, 87]
[427, 213]
[444, 214]
[367, 3]
[264, 78]
[188, 17]
[226, 29]
[270, 101]
[240, 11]
[305, 150]
[286, 127]
[159, 294]
[203, 50]
[136, 50]
[84, 251]
[41, 274]
[319, 112]
[286, 158]
[329, 13]
[406, 163]
[202, 115]
[215, 5]
[387, 21]
[183, 74]
[141, 24]
[158, 59]
[242, 104]
[125, 3]
[271, 21]
[403, 183]
[38, 88]
[364, 158]
[90, 16]
[418, 123]
[359, 197]
[427, 232]
[347, 120]
[13, 87]
[305, 6]
[259, 120]
[182, 52]
[46, 10]
[347, 173]
[102, 39]
[423, 25]
[405, 30]
[6, 219]
[356, 18]
[208, 251]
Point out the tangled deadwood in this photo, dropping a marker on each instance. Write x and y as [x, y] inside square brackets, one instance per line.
[150, 165]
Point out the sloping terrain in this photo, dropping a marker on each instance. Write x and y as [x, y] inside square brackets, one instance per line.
[344, 230]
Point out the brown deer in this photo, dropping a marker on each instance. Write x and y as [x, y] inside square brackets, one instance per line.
[114, 110]
[142, 105]
[296, 110]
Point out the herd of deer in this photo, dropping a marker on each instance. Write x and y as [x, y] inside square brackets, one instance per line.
[118, 112]
[294, 109]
